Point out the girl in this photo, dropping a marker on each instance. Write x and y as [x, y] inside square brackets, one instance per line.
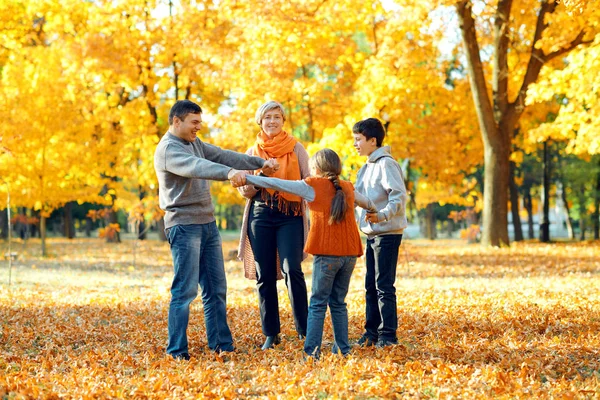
[333, 239]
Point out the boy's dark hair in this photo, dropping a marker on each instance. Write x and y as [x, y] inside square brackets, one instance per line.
[370, 128]
[182, 108]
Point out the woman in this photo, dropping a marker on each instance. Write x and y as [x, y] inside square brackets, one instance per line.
[275, 226]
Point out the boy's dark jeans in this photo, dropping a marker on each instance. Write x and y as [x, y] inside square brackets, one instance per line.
[381, 309]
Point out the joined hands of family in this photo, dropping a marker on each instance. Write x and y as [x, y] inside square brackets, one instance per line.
[238, 178]
[270, 166]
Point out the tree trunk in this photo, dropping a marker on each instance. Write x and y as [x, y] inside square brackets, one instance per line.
[142, 233]
[69, 224]
[88, 227]
[430, 231]
[545, 224]
[496, 123]
[570, 230]
[514, 204]
[582, 214]
[411, 206]
[4, 223]
[495, 195]
[43, 234]
[596, 213]
[528, 204]
[112, 219]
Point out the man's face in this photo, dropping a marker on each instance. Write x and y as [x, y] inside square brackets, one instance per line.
[188, 128]
[364, 146]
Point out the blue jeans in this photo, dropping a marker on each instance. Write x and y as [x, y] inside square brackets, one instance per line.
[381, 309]
[198, 259]
[330, 281]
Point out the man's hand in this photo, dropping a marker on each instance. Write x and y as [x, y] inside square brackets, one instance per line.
[236, 177]
[270, 166]
[372, 217]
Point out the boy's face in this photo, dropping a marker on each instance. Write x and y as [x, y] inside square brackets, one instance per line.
[363, 145]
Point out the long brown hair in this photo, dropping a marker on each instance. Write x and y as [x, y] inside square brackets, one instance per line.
[330, 165]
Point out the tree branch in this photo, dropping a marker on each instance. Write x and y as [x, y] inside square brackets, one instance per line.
[481, 98]
[537, 59]
[500, 66]
[576, 42]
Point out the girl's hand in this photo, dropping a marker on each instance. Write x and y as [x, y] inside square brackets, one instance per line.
[237, 178]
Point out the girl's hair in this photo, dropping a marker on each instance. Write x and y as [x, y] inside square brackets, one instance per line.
[266, 107]
[328, 162]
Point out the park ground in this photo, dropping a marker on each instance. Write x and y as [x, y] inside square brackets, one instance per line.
[90, 321]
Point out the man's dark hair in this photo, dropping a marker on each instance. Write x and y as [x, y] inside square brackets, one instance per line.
[370, 128]
[182, 108]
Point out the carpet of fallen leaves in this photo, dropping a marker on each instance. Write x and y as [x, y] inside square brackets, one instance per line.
[89, 321]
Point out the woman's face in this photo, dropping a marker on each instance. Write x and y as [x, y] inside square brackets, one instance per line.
[272, 123]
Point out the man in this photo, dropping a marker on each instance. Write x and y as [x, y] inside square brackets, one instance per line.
[183, 165]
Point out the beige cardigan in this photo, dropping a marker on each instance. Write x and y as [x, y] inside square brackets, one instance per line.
[245, 253]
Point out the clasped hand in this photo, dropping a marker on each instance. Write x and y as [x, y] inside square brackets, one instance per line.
[372, 217]
[238, 178]
[270, 166]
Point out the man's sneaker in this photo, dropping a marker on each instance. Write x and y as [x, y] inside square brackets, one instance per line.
[336, 350]
[385, 343]
[366, 341]
[181, 356]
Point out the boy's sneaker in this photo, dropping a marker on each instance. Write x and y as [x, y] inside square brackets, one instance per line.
[366, 341]
[385, 343]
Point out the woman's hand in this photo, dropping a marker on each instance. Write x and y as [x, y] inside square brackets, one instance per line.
[270, 166]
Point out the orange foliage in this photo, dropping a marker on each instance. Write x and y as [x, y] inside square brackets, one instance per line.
[24, 219]
[515, 322]
[110, 232]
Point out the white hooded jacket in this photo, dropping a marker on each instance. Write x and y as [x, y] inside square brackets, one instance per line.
[381, 180]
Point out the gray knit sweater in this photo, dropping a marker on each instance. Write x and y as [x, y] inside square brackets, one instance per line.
[183, 170]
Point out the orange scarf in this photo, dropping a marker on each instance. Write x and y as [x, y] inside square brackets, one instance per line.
[281, 147]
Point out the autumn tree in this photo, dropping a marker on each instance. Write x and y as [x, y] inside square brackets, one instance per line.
[521, 38]
[44, 130]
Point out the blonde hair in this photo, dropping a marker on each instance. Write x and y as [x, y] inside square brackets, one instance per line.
[266, 107]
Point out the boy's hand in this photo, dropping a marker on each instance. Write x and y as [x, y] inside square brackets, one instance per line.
[237, 178]
[372, 217]
[270, 166]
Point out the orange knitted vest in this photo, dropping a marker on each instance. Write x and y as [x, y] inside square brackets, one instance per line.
[338, 239]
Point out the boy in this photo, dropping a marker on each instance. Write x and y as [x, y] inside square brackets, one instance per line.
[380, 179]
